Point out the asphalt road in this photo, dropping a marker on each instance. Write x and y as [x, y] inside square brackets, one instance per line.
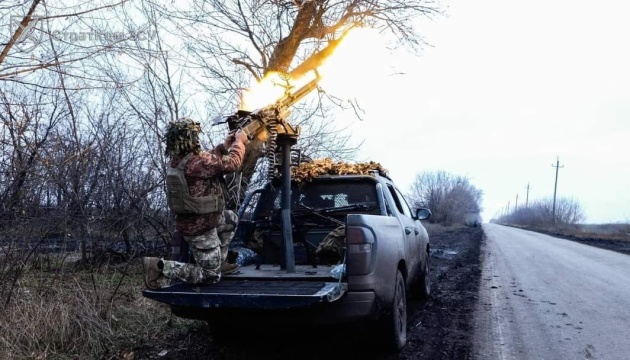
[547, 298]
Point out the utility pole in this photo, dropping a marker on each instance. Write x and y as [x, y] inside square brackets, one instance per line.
[516, 204]
[555, 188]
[527, 196]
[508, 208]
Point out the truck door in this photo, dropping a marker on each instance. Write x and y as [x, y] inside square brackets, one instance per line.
[411, 231]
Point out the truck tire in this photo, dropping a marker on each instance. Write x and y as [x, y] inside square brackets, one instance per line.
[394, 325]
[421, 288]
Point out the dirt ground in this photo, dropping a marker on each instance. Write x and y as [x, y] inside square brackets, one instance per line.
[441, 328]
[621, 246]
[438, 328]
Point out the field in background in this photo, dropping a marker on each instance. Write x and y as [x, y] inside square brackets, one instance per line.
[606, 231]
[615, 237]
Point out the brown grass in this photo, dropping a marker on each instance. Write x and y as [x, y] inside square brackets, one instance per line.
[62, 322]
[435, 229]
[96, 314]
[604, 232]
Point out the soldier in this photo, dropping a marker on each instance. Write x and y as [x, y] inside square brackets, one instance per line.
[195, 193]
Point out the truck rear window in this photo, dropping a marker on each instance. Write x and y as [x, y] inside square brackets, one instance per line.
[323, 194]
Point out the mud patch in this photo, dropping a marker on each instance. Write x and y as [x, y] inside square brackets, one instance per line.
[442, 327]
[444, 254]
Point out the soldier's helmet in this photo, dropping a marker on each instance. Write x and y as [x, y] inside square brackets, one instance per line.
[182, 137]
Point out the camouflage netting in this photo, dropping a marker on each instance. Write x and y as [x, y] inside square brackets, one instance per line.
[309, 170]
[182, 137]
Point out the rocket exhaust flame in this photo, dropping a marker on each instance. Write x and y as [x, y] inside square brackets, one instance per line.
[271, 88]
[338, 59]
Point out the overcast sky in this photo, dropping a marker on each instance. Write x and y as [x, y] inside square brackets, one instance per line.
[504, 88]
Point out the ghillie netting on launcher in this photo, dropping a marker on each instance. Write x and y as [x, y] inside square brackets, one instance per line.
[327, 166]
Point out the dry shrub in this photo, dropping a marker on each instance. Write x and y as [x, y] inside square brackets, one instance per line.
[434, 229]
[539, 214]
[58, 324]
[616, 230]
[138, 320]
[449, 197]
[88, 314]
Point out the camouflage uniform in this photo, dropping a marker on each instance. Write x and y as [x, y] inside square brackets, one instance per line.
[209, 251]
[207, 234]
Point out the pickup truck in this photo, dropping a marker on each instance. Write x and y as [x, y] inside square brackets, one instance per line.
[384, 258]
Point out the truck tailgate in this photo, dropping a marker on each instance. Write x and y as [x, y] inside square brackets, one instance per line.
[250, 294]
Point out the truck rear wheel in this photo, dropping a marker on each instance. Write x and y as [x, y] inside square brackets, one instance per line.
[394, 325]
[421, 288]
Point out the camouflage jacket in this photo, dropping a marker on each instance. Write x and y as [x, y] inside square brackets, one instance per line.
[200, 171]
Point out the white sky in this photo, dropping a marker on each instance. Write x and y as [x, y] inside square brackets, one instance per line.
[507, 87]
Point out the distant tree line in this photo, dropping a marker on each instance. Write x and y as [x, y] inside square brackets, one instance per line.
[451, 198]
[540, 213]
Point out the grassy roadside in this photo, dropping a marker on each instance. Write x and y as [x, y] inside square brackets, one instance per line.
[65, 313]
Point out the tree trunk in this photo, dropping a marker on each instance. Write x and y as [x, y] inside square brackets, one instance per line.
[279, 61]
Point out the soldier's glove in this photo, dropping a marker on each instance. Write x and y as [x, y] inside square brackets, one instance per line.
[242, 137]
[228, 141]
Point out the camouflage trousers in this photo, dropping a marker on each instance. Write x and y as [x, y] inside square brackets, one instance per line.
[209, 251]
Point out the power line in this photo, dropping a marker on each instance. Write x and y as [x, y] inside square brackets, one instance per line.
[555, 188]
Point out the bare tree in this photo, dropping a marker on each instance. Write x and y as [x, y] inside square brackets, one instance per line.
[37, 36]
[540, 213]
[228, 43]
[124, 206]
[28, 118]
[84, 100]
[449, 197]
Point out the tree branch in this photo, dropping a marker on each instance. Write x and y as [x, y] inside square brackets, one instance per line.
[18, 32]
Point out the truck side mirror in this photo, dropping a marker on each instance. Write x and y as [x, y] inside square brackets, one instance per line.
[423, 213]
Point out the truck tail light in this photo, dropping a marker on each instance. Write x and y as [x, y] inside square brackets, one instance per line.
[357, 248]
[360, 239]
[359, 235]
[360, 243]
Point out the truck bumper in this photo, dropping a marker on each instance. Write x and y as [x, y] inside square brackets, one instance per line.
[265, 295]
[351, 307]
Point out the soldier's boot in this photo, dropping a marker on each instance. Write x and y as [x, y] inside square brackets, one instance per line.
[229, 268]
[152, 272]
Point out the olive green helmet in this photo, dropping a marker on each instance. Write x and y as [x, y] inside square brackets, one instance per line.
[182, 137]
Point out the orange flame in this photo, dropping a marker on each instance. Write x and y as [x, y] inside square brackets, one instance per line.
[271, 88]
[345, 71]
